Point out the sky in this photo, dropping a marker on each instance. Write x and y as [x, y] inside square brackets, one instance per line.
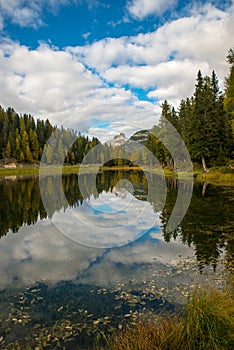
[104, 67]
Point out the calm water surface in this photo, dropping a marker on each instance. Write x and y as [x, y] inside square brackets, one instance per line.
[90, 263]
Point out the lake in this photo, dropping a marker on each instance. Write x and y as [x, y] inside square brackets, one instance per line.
[81, 259]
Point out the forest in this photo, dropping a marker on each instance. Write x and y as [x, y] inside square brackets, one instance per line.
[204, 121]
[24, 140]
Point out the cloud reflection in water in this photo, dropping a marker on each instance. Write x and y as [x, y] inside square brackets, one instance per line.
[113, 219]
[41, 253]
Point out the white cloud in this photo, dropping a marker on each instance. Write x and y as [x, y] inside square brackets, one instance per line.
[167, 59]
[29, 13]
[51, 83]
[24, 14]
[82, 87]
[143, 8]
[171, 80]
[204, 36]
[86, 35]
[43, 80]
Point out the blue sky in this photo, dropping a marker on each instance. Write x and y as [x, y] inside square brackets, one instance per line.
[83, 63]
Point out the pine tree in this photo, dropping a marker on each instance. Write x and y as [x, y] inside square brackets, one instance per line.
[169, 139]
[41, 133]
[210, 129]
[17, 146]
[229, 91]
[8, 150]
[185, 117]
[48, 154]
[28, 154]
[34, 145]
[199, 123]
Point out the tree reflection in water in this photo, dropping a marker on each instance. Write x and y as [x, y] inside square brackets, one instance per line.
[208, 224]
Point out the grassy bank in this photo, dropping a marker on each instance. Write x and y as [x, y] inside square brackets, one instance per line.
[121, 168]
[222, 175]
[27, 170]
[206, 323]
[67, 169]
[216, 175]
[19, 171]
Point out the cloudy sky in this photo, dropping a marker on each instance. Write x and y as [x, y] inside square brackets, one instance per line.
[105, 66]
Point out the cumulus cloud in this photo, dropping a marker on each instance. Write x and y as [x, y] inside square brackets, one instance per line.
[171, 80]
[166, 60]
[54, 84]
[25, 15]
[29, 13]
[43, 80]
[143, 8]
[82, 87]
[204, 36]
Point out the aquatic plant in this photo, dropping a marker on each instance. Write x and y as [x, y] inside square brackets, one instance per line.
[206, 322]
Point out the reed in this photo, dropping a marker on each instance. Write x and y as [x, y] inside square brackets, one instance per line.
[206, 323]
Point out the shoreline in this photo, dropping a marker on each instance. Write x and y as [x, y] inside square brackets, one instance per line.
[223, 175]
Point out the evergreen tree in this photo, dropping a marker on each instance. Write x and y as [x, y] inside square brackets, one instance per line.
[185, 116]
[169, 139]
[210, 129]
[48, 154]
[41, 132]
[8, 150]
[17, 146]
[199, 124]
[34, 145]
[229, 91]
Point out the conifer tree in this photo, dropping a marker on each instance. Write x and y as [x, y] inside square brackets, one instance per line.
[229, 82]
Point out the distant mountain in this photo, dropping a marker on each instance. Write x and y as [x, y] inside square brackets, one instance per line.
[118, 140]
[140, 136]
